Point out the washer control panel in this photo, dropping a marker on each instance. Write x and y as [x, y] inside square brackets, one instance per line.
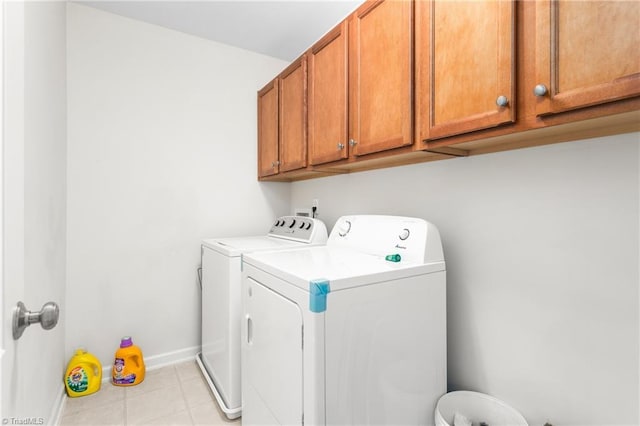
[299, 228]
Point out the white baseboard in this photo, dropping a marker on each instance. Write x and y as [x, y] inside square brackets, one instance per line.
[58, 406]
[182, 355]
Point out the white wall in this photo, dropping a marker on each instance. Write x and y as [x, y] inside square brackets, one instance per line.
[162, 153]
[542, 259]
[34, 203]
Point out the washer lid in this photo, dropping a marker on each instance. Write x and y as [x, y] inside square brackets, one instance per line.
[235, 246]
[343, 267]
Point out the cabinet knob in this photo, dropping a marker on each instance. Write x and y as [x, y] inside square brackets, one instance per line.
[502, 101]
[540, 90]
[275, 163]
[352, 142]
[340, 145]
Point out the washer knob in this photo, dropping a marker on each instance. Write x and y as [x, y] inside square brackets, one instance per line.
[404, 234]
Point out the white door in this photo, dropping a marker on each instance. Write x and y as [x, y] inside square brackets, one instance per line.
[1, 198]
[33, 193]
[272, 358]
[12, 189]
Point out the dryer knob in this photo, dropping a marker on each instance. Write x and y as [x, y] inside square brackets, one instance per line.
[404, 234]
[344, 228]
[292, 223]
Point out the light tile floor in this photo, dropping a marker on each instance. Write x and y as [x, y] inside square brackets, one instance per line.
[172, 395]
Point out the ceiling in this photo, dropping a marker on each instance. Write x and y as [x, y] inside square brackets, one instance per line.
[282, 29]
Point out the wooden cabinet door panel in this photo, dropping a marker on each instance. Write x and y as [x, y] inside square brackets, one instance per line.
[293, 116]
[381, 76]
[465, 61]
[586, 53]
[268, 129]
[328, 97]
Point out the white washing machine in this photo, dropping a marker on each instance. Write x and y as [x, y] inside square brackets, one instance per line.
[350, 333]
[221, 310]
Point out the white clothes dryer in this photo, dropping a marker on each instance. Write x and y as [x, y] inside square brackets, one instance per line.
[221, 310]
[353, 332]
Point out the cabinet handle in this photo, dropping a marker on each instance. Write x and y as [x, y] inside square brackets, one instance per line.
[275, 163]
[502, 101]
[340, 145]
[352, 142]
[540, 90]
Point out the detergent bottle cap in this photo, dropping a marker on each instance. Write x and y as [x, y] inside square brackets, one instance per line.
[126, 342]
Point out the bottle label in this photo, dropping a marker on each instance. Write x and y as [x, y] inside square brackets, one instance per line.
[119, 377]
[77, 380]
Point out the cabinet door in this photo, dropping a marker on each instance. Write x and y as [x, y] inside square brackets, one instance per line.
[293, 116]
[328, 97]
[465, 66]
[380, 76]
[586, 53]
[268, 130]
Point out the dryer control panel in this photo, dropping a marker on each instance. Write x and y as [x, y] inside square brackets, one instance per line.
[395, 238]
[299, 228]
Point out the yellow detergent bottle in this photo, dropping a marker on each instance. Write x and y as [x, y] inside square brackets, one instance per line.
[128, 367]
[84, 374]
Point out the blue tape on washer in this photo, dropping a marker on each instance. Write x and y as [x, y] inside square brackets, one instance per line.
[318, 290]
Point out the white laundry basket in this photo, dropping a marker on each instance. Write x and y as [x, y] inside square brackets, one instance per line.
[478, 408]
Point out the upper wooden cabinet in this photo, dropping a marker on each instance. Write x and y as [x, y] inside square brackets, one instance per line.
[586, 53]
[268, 130]
[293, 116]
[327, 97]
[465, 66]
[381, 76]
[404, 81]
[360, 84]
[282, 122]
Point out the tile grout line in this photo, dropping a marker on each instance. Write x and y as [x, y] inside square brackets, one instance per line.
[184, 397]
[150, 391]
[126, 396]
